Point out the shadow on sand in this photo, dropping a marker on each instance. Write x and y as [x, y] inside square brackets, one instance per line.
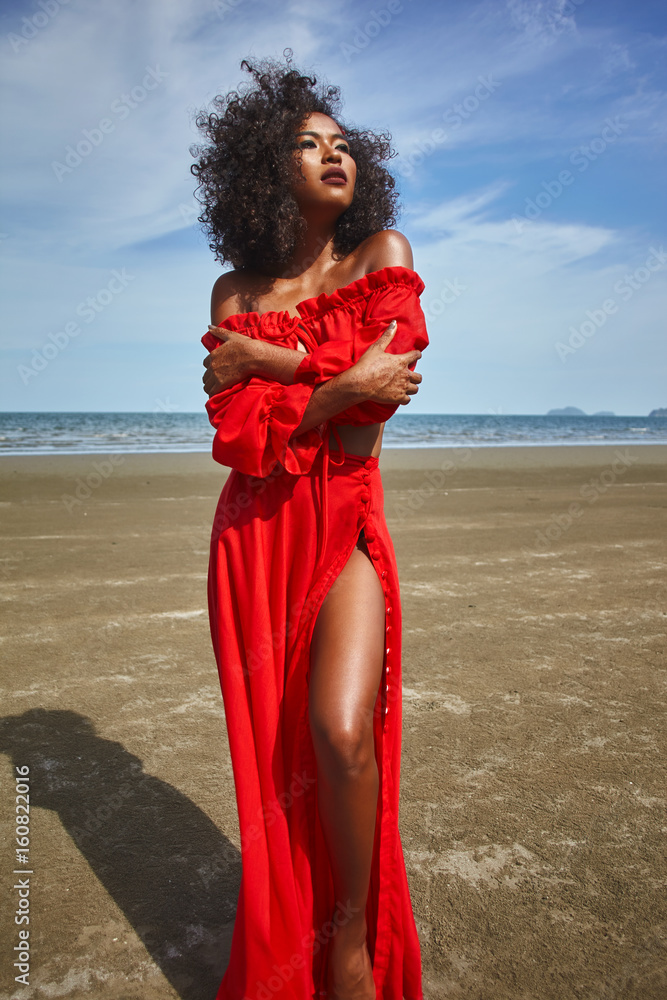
[161, 859]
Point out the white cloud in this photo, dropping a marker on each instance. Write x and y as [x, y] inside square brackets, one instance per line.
[520, 294]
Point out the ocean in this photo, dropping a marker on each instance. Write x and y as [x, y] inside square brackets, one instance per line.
[82, 433]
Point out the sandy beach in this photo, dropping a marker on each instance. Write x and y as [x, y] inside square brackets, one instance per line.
[532, 780]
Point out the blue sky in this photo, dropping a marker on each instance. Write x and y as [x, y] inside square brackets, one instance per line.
[530, 140]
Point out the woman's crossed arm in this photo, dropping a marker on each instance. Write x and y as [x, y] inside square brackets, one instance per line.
[377, 376]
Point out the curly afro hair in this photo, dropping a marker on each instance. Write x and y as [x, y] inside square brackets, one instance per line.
[249, 214]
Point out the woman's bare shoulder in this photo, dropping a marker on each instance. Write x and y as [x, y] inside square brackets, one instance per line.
[388, 248]
[229, 292]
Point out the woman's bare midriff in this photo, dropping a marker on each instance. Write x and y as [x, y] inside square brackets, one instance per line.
[365, 441]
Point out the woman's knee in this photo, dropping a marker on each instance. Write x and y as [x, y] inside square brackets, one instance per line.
[344, 746]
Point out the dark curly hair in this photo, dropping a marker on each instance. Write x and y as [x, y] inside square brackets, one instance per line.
[249, 214]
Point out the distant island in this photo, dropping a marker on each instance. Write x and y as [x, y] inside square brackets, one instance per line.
[567, 411]
[574, 411]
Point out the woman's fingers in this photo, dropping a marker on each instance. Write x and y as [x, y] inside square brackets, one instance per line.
[386, 336]
[219, 332]
[212, 382]
[226, 364]
[209, 378]
[412, 388]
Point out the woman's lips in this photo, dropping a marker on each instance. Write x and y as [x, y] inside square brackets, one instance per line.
[336, 179]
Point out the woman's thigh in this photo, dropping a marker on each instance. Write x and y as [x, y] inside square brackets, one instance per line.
[347, 653]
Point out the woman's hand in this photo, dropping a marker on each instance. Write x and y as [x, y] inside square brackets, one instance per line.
[235, 359]
[386, 378]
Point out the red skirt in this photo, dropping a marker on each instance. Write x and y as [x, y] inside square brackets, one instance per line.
[278, 544]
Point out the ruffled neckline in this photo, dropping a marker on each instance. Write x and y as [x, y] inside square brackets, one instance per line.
[318, 305]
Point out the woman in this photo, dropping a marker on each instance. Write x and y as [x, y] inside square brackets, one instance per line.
[304, 604]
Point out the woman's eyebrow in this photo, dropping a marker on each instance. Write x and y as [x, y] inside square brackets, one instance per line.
[332, 135]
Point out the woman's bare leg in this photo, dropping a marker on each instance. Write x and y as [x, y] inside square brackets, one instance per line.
[346, 668]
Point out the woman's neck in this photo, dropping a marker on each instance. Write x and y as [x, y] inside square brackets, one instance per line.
[313, 253]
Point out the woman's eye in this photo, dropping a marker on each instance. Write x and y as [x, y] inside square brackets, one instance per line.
[309, 142]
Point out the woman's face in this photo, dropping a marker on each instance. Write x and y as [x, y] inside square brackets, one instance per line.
[323, 151]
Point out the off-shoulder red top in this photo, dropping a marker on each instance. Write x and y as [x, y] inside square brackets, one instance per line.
[255, 419]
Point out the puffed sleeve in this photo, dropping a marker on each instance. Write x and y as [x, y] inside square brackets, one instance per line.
[397, 300]
[254, 423]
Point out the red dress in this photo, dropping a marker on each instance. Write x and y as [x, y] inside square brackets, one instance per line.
[287, 521]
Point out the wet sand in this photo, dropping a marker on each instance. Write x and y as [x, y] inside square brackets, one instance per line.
[532, 782]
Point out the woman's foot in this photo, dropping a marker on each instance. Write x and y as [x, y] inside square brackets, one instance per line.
[349, 972]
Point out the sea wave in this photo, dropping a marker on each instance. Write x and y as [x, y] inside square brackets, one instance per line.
[71, 433]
